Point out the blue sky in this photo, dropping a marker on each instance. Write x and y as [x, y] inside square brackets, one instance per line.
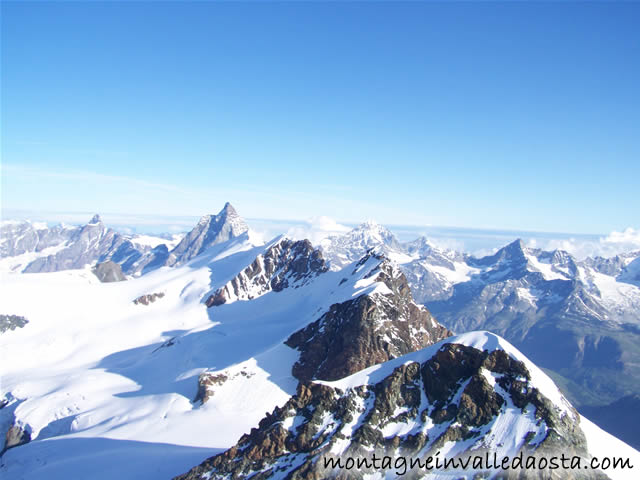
[484, 115]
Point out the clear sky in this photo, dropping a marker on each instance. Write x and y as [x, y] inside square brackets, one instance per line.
[486, 115]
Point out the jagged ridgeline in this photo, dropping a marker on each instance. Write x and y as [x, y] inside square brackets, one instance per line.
[468, 395]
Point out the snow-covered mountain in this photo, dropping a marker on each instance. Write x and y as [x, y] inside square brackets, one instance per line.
[579, 319]
[431, 271]
[341, 250]
[149, 377]
[33, 247]
[465, 396]
[106, 373]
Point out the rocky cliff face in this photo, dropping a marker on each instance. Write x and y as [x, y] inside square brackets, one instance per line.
[413, 408]
[367, 330]
[286, 264]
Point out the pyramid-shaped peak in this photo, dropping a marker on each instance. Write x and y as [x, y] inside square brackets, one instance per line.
[516, 250]
[228, 210]
[210, 230]
[517, 246]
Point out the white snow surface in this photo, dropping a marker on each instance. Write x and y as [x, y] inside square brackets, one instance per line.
[547, 269]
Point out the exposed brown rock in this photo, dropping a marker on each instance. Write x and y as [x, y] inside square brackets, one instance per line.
[365, 331]
[16, 436]
[206, 385]
[148, 298]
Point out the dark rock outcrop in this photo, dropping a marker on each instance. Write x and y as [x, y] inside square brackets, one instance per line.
[16, 436]
[206, 385]
[148, 298]
[109, 272]
[11, 322]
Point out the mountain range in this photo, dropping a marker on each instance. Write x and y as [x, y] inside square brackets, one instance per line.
[348, 346]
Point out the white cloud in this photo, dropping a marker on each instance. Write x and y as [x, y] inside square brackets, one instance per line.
[317, 228]
[613, 244]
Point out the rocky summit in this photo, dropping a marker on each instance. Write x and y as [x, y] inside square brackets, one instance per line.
[463, 396]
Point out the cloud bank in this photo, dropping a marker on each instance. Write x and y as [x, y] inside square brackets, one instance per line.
[607, 246]
[316, 229]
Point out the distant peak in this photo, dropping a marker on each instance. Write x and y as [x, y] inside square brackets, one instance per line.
[95, 219]
[228, 210]
[517, 244]
[370, 224]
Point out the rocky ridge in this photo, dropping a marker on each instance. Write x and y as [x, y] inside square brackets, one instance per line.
[285, 264]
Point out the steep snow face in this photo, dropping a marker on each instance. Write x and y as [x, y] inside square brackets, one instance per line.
[210, 230]
[465, 395]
